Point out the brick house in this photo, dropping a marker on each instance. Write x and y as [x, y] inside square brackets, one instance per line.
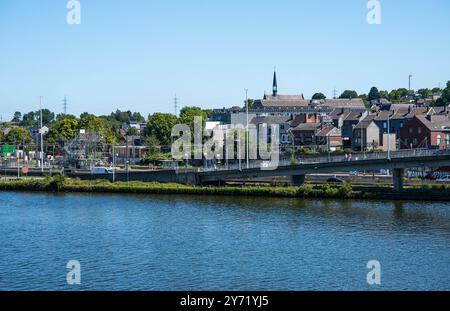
[426, 131]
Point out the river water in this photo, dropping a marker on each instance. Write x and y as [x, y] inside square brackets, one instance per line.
[143, 242]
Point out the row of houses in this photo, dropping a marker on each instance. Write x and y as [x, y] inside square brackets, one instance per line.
[336, 124]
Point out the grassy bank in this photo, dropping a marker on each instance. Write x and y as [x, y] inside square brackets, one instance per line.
[344, 191]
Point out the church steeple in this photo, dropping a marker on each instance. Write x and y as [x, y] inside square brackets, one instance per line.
[275, 84]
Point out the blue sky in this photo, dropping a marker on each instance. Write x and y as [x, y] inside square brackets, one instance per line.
[137, 54]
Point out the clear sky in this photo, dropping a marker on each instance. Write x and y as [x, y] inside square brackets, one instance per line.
[136, 55]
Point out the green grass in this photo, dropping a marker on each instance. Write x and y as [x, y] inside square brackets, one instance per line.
[343, 191]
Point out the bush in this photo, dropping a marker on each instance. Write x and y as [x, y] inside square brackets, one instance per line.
[345, 191]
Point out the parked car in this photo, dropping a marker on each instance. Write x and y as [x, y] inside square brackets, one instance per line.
[335, 180]
[443, 177]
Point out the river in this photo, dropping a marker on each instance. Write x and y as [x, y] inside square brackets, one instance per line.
[145, 242]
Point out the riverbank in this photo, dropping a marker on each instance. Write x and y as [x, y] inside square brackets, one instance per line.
[343, 191]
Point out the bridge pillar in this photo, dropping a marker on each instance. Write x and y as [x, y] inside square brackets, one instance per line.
[398, 175]
[298, 180]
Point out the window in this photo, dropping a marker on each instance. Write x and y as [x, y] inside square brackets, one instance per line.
[438, 140]
[385, 125]
[405, 142]
[447, 140]
[401, 125]
[415, 141]
[419, 130]
[410, 130]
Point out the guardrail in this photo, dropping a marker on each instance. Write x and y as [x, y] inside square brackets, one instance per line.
[361, 156]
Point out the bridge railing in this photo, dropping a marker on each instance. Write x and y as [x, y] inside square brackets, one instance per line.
[410, 153]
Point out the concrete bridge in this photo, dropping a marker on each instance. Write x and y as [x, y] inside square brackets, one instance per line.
[396, 161]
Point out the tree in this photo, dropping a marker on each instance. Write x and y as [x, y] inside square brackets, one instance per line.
[132, 132]
[436, 90]
[137, 117]
[64, 129]
[18, 135]
[91, 123]
[349, 94]
[384, 94]
[187, 115]
[160, 126]
[28, 119]
[249, 101]
[85, 114]
[47, 116]
[363, 97]
[17, 117]
[446, 94]
[425, 93]
[374, 94]
[152, 143]
[319, 96]
[65, 116]
[122, 116]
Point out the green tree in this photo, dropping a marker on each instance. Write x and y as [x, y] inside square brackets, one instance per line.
[425, 93]
[152, 143]
[122, 116]
[374, 94]
[349, 94]
[363, 97]
[436, 90]
[132, 132]
[250, 105]
[63, 130]
[47, 116]
[91, 123]
[18, 135]
[446, 94]
[384, 94]
[137, 117]
[28, 119]
[65, 116]
[160, 126]
[17, 117]
[187, 115]
[319, 96]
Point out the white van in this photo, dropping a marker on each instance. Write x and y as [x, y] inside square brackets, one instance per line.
[101, 170]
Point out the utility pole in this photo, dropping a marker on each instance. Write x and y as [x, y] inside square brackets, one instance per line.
[175, 104]
[334, 93]
[409, 83]
[65, 105]
[42, 136]
[247, 136]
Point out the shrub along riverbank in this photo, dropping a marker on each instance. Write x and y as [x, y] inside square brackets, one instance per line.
[343, 191]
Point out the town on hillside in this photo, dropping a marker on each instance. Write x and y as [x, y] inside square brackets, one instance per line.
[351, 123]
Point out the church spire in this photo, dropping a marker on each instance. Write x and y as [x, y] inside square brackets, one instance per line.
[275, 84]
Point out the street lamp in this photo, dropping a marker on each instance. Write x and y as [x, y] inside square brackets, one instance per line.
[114, 163]
[389, 134]
[246, 130]
[41, 135]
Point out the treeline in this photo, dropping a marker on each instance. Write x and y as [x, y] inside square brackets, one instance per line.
[63, 128]
[397, 95]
